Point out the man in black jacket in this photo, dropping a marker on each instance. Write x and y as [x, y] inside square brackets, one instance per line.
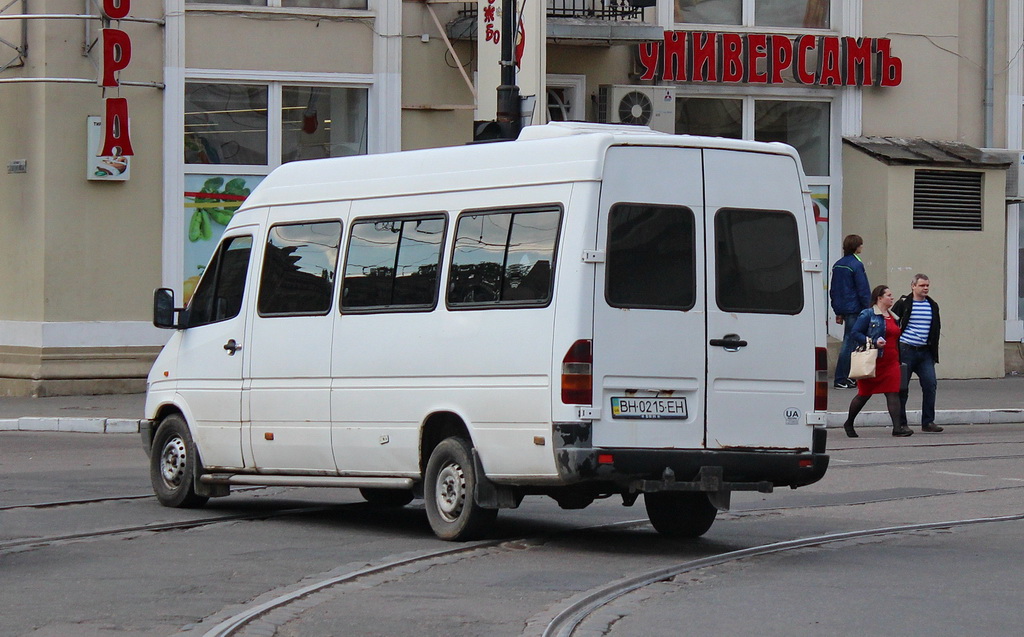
[919, 347]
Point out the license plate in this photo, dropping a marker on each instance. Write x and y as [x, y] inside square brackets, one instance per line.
[652, 408]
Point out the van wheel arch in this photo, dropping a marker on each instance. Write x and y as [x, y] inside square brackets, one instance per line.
[436, 428]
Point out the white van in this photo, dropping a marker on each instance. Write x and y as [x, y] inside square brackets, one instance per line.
[584, 312]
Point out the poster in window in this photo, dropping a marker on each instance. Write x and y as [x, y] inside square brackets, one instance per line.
[210, 202]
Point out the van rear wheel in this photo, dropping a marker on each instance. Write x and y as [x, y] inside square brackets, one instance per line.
[680, 513]
[448, 493]
[172, 465]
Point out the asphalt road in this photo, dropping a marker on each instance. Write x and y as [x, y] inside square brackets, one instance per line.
[143, 581]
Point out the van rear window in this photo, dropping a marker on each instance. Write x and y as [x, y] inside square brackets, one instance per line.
[503, 258]
[392, 264]
[757, 257]
[650, 257]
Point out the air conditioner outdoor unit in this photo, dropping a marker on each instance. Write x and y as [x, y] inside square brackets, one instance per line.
[653, 106]
[1014, 174]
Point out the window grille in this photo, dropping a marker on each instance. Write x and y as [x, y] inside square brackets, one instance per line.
[947, 200]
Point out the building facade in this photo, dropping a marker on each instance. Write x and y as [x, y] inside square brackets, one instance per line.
[134, 129]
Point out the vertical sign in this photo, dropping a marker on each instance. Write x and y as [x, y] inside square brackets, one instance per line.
[117, 54]
[488, 45]
[531, 58]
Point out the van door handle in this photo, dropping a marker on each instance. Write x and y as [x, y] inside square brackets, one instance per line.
[231, 346]
[731, 342]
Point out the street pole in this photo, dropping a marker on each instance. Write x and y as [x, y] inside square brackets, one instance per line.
[509, 105]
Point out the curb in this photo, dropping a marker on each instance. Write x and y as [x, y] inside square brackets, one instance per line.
[942, 417]
[75, 425]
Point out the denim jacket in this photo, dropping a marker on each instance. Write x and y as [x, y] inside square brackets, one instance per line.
[870, 323]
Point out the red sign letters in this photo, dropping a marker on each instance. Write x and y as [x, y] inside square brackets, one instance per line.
[758, 58]
[117, 54]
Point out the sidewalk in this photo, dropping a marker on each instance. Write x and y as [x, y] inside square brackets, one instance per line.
[958, 402]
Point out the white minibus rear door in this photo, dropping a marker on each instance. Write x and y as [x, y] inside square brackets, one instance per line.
[649, 328]
[760, 315]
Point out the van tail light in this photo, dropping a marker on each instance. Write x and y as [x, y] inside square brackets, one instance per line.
[820, 379]
[577, 373]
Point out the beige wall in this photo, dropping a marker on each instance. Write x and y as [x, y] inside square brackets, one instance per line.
[965, 268]
[943, 54]
[437, 111]
[310, 46]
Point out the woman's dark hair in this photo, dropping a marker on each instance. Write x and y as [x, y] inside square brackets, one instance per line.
[877, 293]
[851, 243]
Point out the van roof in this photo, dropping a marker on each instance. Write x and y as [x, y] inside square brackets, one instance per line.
[552, 153]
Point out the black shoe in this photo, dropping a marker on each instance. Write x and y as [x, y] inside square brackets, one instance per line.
[844, 384]
[850, 431]
[931, 428]
[902, 432]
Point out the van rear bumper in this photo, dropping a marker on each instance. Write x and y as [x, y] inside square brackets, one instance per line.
[630, 467]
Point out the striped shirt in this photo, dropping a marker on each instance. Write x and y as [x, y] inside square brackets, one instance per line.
[916, 332]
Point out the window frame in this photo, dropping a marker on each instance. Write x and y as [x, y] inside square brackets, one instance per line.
[393, 309]
[263, 261]
[275, 82]
[513, 211]
[747, 21]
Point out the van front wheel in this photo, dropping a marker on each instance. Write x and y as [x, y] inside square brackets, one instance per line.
[680, 513]
[448, 493]
[172, 465]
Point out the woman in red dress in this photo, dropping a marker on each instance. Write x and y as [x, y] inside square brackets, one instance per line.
[880, 325]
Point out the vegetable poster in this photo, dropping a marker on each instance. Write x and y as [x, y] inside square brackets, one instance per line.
[210, 202]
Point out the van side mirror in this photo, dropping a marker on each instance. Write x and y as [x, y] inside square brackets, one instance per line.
[164, 312]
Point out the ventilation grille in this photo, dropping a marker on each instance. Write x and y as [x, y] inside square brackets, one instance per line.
[947, 200]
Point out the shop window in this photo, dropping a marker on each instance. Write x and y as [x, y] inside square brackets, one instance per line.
[392, 264]
[225, 124]
[318, 122]
[709, 116]
[503, 258]
[298, 269]
[651, 261]
[796, 14]
[947, 200]
[752, 274]
[803, 125]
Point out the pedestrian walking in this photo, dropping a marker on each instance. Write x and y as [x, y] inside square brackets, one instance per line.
[850, 294]
[879, 325]
[919, 348]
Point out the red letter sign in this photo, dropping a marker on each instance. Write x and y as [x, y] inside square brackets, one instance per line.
[116, 140]
[117, 53]
[117, 9]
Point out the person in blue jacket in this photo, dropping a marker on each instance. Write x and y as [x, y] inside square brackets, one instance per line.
[850, 295]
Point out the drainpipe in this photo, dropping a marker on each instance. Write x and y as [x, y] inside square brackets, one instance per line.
[990, 44]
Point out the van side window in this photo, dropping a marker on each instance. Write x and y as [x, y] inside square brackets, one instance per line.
[650, 257]
[219, 295]
[504, 257]
[298, 268]
[392, 264]
[757, 253]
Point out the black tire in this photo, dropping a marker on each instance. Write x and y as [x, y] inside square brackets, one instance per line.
[387, 497]
[679, 513]
[448, 493]
[172, 465]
